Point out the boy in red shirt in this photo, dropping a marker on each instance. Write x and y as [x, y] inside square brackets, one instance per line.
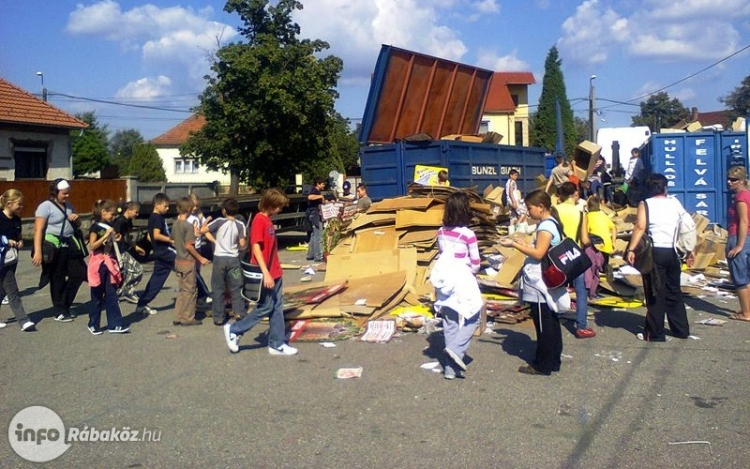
[264, 252]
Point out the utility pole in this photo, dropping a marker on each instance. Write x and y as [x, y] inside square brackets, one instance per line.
[592, 110]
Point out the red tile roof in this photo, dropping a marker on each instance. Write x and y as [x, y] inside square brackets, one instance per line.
[21, 107]
[715, 117]
[179, 134]
[499, 98]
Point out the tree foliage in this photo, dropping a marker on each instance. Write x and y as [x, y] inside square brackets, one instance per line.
[90, 147]
[660, 112]
[146, 165]
[543, 132]
[121, 147]
[269, 100]
[738, 101]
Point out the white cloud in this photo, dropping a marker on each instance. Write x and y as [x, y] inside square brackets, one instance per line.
[686, 30]
[684, 95]
[356, 29]
[507, 63]
[169, 39]
[487, 6]
[697, 9]
[145, 88]
[589, 35]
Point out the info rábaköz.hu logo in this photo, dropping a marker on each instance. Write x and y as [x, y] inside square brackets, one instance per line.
[38, 434]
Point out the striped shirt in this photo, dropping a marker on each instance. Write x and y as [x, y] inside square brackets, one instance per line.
[463, 242]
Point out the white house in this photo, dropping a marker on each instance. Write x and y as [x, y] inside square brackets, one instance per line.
[184, 169]
[35, 137]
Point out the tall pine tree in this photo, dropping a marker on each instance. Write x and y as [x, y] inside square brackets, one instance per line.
[543, 132]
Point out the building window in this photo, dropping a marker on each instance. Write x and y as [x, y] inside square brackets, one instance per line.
[30, 162]
[484, 127]
[185, 166]
[519, 133]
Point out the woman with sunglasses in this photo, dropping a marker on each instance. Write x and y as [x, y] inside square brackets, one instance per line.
[738, 250]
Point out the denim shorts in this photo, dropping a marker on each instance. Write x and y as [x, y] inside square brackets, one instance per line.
[739, 266]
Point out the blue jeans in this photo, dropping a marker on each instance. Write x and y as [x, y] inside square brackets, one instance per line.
[582, 301]
[271, 303]
[315, 247]
[105, 296]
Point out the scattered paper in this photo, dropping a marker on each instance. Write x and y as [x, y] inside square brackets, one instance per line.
[309, 271]
[361, 302]
[328, 344]
[348, 373]
[712, 322]
[305, 279]
[379, 331]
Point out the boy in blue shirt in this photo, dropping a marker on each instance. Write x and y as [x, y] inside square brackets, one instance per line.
[163, 255]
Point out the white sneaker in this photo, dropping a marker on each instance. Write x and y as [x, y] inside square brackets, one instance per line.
[94, 330]
[233, 340]
[283, 350]
[28, 326]
[5, 301]
[63, 318]
[145, 310]
[2, 324]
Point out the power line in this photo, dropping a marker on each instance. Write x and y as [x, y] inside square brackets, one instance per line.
[115, 103]
[630, 102]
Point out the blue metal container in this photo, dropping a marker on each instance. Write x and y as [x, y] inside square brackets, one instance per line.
[389, 169]
[693, 169]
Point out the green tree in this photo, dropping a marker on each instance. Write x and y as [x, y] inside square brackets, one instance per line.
[543, 132]
[738, 101]
[660, 112]
[90, 147]
[269, 100]
[121, 147]
[146, 165]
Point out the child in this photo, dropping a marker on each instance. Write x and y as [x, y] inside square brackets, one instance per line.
[231, 236]
[196, 218]
[602, 231]
[265, 253]
[10, 230]
[515, 203]
[543, 308]
[104, 270]
[574, 224]
[132, 270]
[443, 178]
[460, 303]
[163, 254]
[186, 259]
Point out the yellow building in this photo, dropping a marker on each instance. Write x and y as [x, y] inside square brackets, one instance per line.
[506, 110]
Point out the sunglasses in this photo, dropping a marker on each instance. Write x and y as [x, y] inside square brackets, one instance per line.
[733, 179]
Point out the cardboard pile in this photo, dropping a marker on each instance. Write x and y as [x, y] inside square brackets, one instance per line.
[384, 256]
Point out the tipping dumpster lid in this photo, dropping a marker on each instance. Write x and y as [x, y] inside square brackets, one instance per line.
[414, 93]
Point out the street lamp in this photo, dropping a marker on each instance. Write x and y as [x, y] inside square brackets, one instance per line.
[592, 121]
[44, 90]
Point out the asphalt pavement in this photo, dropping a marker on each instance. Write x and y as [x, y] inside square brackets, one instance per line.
[616, 403]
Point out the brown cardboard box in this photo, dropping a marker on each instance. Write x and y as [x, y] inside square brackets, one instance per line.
[585, 155]
[701, 223]
[511, 267]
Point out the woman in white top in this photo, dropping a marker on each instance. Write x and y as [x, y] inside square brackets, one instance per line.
[662, 284]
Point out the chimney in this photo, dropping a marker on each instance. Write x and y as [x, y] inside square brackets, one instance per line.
[693, 114]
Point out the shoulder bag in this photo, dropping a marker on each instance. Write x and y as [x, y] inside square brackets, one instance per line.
[563, 263]
[644, 254]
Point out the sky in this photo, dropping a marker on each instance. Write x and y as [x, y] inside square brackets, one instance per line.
[155, 54]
